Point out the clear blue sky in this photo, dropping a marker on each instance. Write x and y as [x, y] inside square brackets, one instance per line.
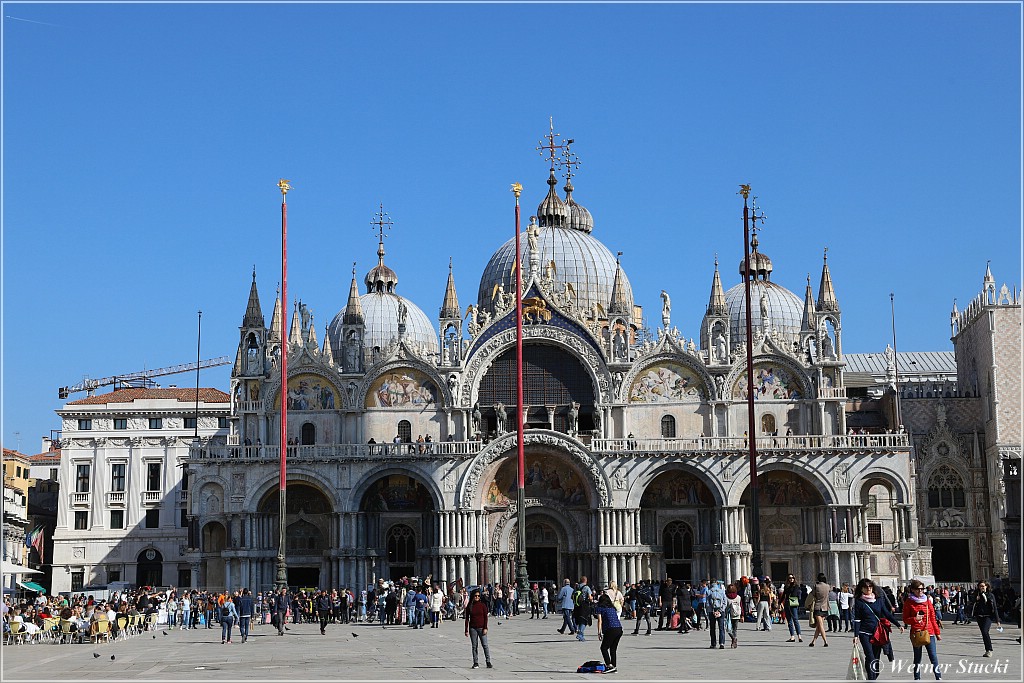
[142, 144]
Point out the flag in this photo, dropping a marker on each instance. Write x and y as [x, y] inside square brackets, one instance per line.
[29, 537]
[38, 542]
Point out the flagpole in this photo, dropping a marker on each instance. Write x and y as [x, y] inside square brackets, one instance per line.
[522, 576]
[282, 566]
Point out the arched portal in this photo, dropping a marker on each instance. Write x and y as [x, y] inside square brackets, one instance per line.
[214, 541]
[400, 525]
[150, 568]
[552, 377]
[676, 517]
[307, 530]
[793, 523]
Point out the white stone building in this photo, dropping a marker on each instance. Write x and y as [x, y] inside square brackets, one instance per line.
[122, 514]
[636, 453]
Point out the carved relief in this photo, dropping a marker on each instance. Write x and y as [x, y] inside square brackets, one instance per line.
[238, 484]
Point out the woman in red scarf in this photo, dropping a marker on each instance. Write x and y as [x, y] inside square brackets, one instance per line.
[919, 615]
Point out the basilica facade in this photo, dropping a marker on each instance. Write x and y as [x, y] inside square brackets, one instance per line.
[402, 445]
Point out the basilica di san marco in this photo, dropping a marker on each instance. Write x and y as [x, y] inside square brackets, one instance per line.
[404, 462]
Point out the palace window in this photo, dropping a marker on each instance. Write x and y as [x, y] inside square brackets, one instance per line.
[117, 519]
[117, 476]
[946, 489]
[85, 425]
[82, 479]
[405, 431]
[81, 520]
[153, 476]
[190, 423]
[152, 519]
[678, 541]
[668, 427]
[156, 423]
[120, 423]
[875, 534]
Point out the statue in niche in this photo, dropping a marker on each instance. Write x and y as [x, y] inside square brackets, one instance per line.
[619, 347]
[666, 309]
[532, 233]
[403, 312]
[766, 321]
[619, 478]
[617, 382]
[453, 385]
[500, 416]
[477, 418]
[574, 417]
[718, 343]
[826, 347]
[597, 422]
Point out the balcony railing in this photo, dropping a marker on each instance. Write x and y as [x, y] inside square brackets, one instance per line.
[856, 442]
[831, 392]
[762, 443]
[150, 497]
[115, 498]
[182, 497]
[80, 499]
[248, 406]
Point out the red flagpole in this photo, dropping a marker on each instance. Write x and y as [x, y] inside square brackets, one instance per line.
[282, 567]
[522, 579]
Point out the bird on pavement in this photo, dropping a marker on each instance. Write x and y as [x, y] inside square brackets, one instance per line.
[355, 635]
[95, 654]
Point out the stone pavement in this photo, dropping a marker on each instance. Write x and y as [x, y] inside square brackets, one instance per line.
[521, 649]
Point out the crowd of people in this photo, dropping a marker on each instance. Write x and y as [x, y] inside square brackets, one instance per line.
[820, 610]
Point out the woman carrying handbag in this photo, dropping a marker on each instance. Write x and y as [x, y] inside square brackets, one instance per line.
[868, 611]
[925, 629]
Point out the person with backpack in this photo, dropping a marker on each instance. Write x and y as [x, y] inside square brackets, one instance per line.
[644, 600]
[583, 610]
[228, 615]
[717, 604]
[609, 631]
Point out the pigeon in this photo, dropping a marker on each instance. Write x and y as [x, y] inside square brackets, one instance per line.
[154, 636]
[111, 657]
[165, 633]
[355, 635]
[95, 654]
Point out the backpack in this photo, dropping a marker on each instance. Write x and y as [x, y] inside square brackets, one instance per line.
[225, 612]
[590, 667]
[577, 597]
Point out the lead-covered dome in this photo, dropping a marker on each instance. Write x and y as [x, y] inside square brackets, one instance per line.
[381, 310]
[577, 257]
[785, 310]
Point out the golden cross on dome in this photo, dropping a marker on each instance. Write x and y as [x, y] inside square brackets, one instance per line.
[382, 222]
[755, 216]
[548, 149]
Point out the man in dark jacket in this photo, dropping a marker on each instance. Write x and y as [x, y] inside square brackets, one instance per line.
[244, 605]
[684, 602]
[281, 604]
[323, 609]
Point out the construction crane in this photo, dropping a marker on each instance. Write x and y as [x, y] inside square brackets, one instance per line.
[143, 378]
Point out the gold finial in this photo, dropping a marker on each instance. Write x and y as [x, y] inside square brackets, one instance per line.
[826, 254]
[517, 189]
[285, 185]
[569, 161]
[744, 190]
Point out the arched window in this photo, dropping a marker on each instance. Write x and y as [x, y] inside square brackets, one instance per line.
[677, 541]
[668, 427]
[401, 544]
[405, 431]
[768, 424]
[946, 489]
[303, 535]
[308, 435]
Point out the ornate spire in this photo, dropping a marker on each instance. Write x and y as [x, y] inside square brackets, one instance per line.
[826, 295]
[620, 303]
[354, 308]
[253, 314]
[295, 333]
[237, 369]
[276, 318]
[807, 325]
[552, 212]
[327, 353]
[450, 306]
[381, 278]
[313, 342]
[716, 304]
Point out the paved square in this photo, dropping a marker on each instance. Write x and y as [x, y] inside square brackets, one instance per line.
[521, 649]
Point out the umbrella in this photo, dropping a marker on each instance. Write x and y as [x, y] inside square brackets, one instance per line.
[11, 568]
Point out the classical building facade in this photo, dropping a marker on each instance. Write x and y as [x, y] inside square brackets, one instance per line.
[17, 483]
[635, 442]
[121, 514]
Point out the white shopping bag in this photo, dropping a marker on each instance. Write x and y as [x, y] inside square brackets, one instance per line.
[857, 671]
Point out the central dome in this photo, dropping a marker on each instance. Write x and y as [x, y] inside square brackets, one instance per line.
[568, 255]
[785, 310]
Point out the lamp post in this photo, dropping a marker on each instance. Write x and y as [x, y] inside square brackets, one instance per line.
[757, 563]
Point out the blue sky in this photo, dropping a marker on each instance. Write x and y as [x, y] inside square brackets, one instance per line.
[142, 145]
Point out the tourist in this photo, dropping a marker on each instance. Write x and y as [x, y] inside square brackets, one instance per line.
[246, 608]
[919, 615]
[868, 611]
[644, 599]
[734, 612]
[534, 601]
[985, 612]
[819, 609]
[717, 604]
[566, 605]
[228, 616]
[476, 628]
[793, 598]
[609, 631]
